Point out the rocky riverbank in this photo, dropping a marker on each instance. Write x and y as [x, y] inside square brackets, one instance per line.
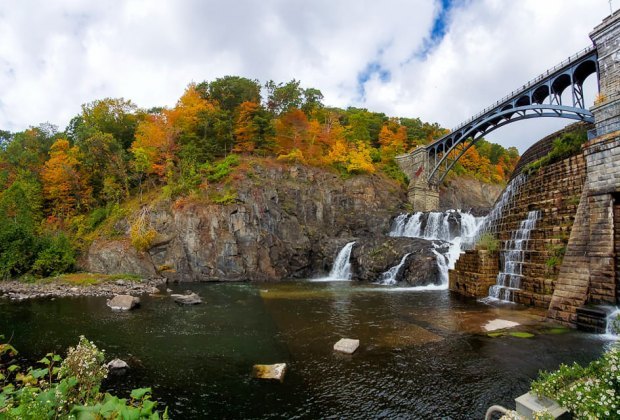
[18, 291]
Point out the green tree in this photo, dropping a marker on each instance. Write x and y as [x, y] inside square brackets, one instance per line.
[230, 91]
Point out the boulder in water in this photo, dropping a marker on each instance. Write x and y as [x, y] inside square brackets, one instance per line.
[275, 371]
[347, 345]
[117, 364]
[187, 299]
[372, 257]
[123, 302]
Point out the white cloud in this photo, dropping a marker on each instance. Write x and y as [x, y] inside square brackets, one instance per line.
[55, 56]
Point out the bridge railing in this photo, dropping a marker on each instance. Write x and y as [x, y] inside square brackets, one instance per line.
[526, 86]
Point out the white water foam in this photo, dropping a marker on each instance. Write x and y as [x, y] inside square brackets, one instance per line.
[341, 270]
[391, 276]
[437, 227]
[509, 279]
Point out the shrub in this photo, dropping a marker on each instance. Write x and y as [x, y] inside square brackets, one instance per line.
[567, 145]
[587, 392]
[67, 388]
[488, 242]
[222, 169]
[141, 233]
[55, 257]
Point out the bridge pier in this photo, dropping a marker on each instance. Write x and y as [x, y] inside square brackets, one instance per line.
[422, 195]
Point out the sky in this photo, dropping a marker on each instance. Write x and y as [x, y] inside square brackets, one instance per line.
[438, 60]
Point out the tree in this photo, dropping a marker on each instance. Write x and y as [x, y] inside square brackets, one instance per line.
[291, 131]
[115, 116]
[229, 92]
[64, 187]
[253, 128]
[103, 158]
[284, 97]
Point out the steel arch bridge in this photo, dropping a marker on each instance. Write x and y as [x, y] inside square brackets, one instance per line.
[541, 97]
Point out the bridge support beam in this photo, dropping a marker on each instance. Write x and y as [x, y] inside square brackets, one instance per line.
[422, 195]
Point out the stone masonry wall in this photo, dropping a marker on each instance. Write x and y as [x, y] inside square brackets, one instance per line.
[476, 272]
[555, 191]
[606, 37]
[588, 274]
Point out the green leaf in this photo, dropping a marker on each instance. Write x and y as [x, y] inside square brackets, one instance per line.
[39, 373]
[138, 393]
[13, 368]
[148, 406]
[45, 361]
[56, 358]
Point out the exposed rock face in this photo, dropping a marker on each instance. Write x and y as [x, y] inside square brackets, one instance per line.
[374, 256]
[288, 221]
[469, 194]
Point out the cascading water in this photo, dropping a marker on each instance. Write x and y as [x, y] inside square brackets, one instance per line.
[390, 277]
[436, 226]
[341, 270]
[612, 330]
[509, 279]
[502, 205]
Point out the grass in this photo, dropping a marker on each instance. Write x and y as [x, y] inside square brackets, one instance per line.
[88, 279]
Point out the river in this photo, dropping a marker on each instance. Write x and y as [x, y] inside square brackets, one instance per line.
[422, 354]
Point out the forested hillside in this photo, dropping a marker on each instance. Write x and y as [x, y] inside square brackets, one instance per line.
[57, 187]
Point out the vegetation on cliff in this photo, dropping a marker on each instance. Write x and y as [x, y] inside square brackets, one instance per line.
[58, 187]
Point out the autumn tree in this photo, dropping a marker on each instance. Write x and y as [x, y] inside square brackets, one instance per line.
[253, 128]
[115, 116]
[64, 186]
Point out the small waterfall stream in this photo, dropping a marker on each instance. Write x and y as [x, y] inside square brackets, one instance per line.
[613, 324]
[513, 255]
[391, 276]
[341, 270]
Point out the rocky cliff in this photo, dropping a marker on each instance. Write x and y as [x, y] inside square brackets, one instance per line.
[470, 194]
[283, 221]
[286, 221]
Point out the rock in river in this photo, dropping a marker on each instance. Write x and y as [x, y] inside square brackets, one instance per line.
[123, 302]
[117, 364]
[187, 299]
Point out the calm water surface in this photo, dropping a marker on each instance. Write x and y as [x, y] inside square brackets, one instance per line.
[422, 354]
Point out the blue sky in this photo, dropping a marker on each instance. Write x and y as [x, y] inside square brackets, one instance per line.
[441, 60]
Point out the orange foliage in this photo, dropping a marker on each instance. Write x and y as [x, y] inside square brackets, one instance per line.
[246, 130]
[63, 184]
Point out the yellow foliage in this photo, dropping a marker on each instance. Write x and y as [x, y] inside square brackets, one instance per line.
[295, 155]
[355, 158]
[141, 232]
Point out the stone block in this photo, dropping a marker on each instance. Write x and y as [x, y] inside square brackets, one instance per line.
[527, 404]
[347, 345]
[275, 371]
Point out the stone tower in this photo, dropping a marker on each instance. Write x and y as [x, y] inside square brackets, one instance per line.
[606, 110]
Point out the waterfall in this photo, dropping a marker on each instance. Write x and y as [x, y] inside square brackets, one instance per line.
[612, 329]
[436, 226]
[502, 205]
[443, 263]
[509, 279]
[341, 270]
[391, 276]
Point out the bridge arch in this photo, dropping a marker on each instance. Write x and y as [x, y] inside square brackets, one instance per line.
[539, 98]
